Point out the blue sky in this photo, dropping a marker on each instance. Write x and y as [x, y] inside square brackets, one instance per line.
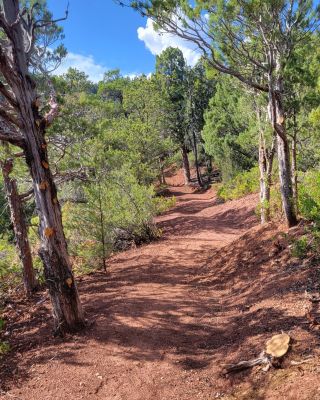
[101, 35]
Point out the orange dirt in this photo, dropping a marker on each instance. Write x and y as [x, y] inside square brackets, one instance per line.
[211, 291]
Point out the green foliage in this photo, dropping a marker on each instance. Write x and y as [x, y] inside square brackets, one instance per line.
[171, 75]
[116, 206]
[309, 196]
[113, 139]
[300, 247]
[163, 204]
[10, 270]
[307, 245]
[242, 184]
[5, 223]
[230, 131]
[4, 348]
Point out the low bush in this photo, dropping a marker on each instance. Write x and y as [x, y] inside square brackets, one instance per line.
[309, 196]
[4, 347]
[118, 212]
[241, 185]
[10, 270]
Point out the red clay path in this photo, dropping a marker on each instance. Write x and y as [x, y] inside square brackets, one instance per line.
[165, 318]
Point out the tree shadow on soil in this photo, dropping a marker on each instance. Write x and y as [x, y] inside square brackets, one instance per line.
[193, 314]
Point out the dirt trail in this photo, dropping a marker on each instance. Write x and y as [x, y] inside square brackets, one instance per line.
[159, 333]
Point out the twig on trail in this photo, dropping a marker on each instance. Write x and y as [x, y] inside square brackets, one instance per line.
[52, 358]
[300, 362]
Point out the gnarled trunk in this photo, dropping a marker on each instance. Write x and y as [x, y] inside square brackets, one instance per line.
[67, 310]
[186, 165]
[20, 228]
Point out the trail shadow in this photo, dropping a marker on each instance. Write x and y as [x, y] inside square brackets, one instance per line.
[193, 307]
[229, 221]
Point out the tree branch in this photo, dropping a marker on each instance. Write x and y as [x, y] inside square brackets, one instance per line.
[12, 138]
[9, 97]
[27, 196]
[9, 117]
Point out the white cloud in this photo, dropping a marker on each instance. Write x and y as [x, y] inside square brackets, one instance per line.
[156, 42]
[89, 66]
[133, 75]
[85, 64]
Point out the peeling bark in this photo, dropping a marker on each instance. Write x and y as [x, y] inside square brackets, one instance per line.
[67, 310]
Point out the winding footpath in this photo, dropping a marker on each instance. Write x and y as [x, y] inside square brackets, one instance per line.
[157, 334]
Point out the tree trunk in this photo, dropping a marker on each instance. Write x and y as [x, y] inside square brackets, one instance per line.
[285, 181]
[195, 149]
[277, 117]
[294, 165]
[67, 310]
[265, 166]
[162, 177]
[186, 165]
[209, 166]
[103, 240]
[264, 186]
[20, 228]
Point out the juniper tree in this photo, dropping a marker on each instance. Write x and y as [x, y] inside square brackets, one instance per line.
[250, 40]
[26, 126]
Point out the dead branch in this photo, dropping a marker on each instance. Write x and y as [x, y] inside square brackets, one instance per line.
[242, 365]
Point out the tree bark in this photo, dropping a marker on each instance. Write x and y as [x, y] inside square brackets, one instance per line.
[278, 121]
[264, 186]
[265, 167]
[67, 310]
[186, 165]
[209, 166]
[294, 165]
[285, 181]
[20, 228]
[195, 149]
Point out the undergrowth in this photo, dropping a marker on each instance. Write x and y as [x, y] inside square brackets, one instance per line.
[241, 185]
[4, 346]
[248, 182]
[308, 244]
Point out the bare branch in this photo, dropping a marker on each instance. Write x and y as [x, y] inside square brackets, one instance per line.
[27, 195]
[9, 117]
[12, 138]
[9, 97]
